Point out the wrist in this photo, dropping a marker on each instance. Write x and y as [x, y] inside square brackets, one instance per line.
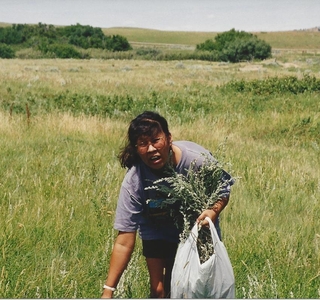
[219, 205]
[110, 288]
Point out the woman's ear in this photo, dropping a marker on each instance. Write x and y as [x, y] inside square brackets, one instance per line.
[170, 139]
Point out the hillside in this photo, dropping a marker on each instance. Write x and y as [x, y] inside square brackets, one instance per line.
[299, 39]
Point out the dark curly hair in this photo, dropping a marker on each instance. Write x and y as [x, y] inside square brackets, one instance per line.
[148, 123]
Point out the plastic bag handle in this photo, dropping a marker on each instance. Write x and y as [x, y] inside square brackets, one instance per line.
[213, 230]
[214, 234]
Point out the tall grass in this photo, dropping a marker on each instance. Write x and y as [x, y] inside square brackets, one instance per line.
[60, 176]
[54, 203]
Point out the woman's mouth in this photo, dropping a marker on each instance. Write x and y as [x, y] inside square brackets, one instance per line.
[155, 158]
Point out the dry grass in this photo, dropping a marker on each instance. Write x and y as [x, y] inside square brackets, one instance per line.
[121, 76]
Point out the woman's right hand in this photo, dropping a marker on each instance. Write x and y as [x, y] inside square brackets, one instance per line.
[120, 257]
[107, 294]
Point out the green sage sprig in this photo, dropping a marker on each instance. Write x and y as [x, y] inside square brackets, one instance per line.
[196, 191]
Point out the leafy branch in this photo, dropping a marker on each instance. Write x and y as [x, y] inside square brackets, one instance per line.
[196, 191]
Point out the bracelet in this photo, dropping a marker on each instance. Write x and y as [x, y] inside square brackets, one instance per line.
[109, 288]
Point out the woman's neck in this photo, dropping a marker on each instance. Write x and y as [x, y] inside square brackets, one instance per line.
[176, 155]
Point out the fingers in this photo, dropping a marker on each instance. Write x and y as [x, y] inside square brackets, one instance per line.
[202, 222]
[205, 223]
[207, 213]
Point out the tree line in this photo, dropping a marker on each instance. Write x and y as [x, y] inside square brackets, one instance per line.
[60, 40]
[66, 42]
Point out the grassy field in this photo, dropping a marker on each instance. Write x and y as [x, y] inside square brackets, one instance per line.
[62, 123]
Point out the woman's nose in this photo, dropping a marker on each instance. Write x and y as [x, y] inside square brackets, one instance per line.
[151, 148]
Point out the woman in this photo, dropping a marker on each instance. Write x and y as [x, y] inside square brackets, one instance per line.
[147, 155]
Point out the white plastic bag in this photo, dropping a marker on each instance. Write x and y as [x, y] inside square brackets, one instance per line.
[212, 279]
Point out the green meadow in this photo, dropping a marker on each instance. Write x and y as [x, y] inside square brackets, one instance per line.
[62, 123]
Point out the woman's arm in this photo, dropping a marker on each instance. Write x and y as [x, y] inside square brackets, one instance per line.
[214, 212]
[120, 257]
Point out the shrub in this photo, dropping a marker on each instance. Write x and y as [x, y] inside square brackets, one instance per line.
[93, 37]
[6, 51]
[21, 33]
[117, 43]
[62, 51]
[83, 36]
[235, 46]
[11, 35]
[223, 39]
[208, 45]
[245, 49]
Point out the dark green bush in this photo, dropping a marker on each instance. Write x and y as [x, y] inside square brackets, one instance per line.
[21, 33]
[117, 43]
[6, 51]
[222, 39]
[62, 51]
[208, 45]
[235, 46]
[245, 49]
[12, 35]
[91, 37]
[84, 36]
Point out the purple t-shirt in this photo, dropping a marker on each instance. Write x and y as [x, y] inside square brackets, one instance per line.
[131, 206]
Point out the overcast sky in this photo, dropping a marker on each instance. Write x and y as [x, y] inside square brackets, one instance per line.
[185, 15]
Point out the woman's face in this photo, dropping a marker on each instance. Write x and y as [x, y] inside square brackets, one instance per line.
[154, 151]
